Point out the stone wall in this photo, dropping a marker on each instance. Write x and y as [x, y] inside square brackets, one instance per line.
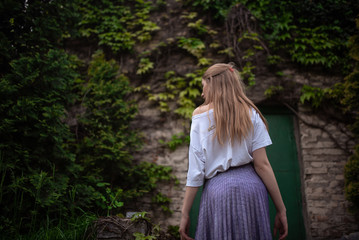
[324, 151]
[156, 126]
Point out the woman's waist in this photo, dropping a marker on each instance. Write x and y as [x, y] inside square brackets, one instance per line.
[242, 167]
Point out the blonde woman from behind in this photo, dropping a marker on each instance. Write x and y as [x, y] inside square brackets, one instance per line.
[227, 156]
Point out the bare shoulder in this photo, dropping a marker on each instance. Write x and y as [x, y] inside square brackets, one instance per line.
[201, 109]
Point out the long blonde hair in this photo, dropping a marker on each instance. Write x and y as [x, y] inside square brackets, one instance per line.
[232, 108]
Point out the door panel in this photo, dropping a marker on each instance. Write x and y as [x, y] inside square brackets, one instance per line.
[282, 155]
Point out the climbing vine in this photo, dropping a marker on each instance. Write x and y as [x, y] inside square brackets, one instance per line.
[181, 89]
[117, 25]
[310, 32]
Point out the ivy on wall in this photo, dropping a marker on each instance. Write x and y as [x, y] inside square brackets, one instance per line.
[184, 90]
[310, 32]
[118, 25]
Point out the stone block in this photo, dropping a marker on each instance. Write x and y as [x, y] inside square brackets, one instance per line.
[332, 204]
[338, 197]
[317, 196]
[319, 203]
[339, 177]
[322, 170]
[317, 185]
[323, 152]
[321, 144]
[321, 218]
[306, 165]
[308, 191]
[318, 190]
[318, 178]
[333, 184]
[315, 132]
[318, 211]
[316, 164]
[336, 170]
[318, 225]
[308, 141]
[311, 158]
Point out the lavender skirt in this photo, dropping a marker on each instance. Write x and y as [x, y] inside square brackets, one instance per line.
[234, 205]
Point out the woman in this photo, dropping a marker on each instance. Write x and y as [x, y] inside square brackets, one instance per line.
[227, 154]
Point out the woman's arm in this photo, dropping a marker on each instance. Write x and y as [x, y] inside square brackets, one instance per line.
[187, 204]
[264, 170]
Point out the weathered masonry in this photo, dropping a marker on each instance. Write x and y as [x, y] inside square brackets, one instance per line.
[308, 155]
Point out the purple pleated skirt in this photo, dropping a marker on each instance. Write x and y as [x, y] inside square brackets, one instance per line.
[234, 205]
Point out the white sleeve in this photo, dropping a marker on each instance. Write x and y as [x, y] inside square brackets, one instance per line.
[196, 160]
[261, 136]
[195, 175]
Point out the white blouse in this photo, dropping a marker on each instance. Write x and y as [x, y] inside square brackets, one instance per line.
[207, 157]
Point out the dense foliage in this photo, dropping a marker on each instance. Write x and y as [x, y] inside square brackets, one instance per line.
[34, 156]
[66, 144]
[117, 24]
[310, 32]
[34, 27]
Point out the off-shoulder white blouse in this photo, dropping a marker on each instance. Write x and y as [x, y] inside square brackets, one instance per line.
[207, 157]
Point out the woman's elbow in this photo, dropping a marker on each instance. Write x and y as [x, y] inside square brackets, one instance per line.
[262, 166]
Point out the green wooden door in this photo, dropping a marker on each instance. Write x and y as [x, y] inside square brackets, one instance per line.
[282, 155]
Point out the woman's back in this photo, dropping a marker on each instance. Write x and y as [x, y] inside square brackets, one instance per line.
[210, 156]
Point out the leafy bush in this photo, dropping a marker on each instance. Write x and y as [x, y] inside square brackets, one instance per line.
[49, 172]
[34, 27]
[36, 165]
[106, 141]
